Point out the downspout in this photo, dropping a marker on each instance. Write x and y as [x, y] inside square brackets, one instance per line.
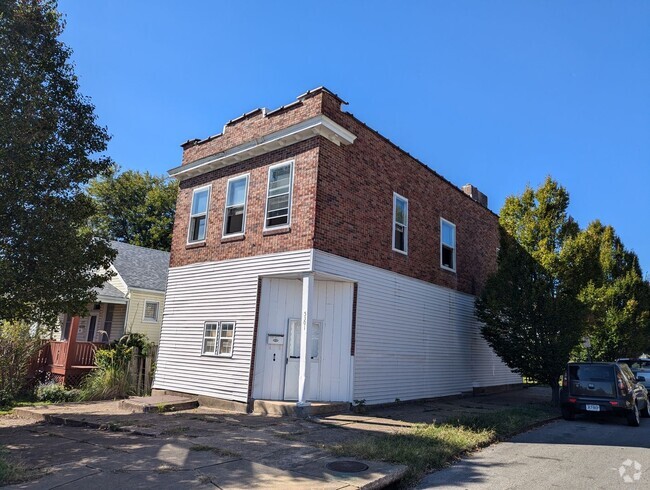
[128, 307]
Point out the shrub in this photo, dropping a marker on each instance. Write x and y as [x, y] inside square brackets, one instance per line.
[110, 380]
[55, 393]
[18, 346]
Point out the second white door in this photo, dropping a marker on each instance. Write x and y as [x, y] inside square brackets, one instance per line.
[293, 360]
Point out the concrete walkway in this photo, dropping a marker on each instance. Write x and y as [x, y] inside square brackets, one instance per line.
[208, 447]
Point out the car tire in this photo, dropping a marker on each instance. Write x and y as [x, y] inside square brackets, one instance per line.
[645, 413]
[568, 413]
[634, 417]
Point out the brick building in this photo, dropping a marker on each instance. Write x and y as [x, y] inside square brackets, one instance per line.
[313, 259]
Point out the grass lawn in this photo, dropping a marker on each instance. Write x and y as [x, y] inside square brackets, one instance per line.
[427, 447]
[5, 409]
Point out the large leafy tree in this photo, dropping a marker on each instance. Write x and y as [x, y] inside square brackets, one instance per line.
[531, 313]
[49, 142]
[616, 296]
[135, 207]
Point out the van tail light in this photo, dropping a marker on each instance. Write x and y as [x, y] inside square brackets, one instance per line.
[572, 400]
[613, 403]
[621, 387]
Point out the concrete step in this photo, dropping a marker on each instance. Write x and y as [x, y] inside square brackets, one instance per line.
[280, 408]
[159, 403]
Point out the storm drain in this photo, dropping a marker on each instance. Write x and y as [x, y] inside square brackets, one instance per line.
[347, 466]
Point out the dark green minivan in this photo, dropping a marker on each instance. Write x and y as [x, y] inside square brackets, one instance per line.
[603, 387]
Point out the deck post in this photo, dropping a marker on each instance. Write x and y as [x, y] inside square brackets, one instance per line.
[72, 346]
[305, 341]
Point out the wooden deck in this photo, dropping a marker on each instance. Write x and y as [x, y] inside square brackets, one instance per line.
[67, 361]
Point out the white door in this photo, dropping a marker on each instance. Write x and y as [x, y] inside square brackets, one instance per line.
[293, 361]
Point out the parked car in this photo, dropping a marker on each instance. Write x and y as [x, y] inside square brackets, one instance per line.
[606, 388]
[640, 366]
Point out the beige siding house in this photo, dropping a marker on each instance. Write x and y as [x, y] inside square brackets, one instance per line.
[131, 301]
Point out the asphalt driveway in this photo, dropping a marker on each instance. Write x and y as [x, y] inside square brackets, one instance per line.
[584, 454]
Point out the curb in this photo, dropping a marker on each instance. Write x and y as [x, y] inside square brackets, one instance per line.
[72, 422]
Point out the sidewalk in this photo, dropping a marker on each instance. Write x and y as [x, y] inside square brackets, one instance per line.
[205, 447]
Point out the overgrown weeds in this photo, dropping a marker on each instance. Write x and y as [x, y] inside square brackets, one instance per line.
[426, 447]
[12, 472]
[110, 380]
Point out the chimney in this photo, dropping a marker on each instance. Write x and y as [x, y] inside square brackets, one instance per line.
[475, 194]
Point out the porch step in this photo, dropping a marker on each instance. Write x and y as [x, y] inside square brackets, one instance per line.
[280, 408]
[159, 403]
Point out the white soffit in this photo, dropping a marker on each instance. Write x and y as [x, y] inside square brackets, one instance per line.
[316, 126]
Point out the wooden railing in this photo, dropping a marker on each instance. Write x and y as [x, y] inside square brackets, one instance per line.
[55, 353]
[58, 353]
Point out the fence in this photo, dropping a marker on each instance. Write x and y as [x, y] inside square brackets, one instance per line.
[141, 370]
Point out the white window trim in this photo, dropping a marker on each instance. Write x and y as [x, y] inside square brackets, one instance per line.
[207, 213]
[443, 220]
[225, 207]
[144, 312]
[266, 204]
[218, 339]
[406, 225]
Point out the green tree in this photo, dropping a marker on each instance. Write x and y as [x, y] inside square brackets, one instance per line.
[49, 146]
[530, 310]
[616, 296]
[135, 207]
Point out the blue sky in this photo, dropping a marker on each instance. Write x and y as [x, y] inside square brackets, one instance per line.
[498, 94]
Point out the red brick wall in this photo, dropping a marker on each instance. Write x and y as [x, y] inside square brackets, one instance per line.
[254, 242]
[254, 126]
[354, 211]
[342, 202]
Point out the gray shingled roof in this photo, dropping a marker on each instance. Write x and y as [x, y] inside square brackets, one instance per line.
[140, 267]
[109, 291]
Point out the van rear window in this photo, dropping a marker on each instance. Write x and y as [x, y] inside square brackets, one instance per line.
[592, 380]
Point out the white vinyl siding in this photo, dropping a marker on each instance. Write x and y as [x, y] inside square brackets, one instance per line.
[199, 215]
[278, 196]
[414, 339]
[400, 223]
[234, 222]
[198, 293]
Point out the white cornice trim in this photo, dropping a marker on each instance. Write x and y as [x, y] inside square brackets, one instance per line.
[315, 126]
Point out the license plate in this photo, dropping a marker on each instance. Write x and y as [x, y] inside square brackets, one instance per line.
[593, 408]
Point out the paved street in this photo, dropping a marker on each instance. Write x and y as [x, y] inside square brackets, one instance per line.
[587, 453]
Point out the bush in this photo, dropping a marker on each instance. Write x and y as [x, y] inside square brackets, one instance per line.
[55, 393]
[110, 380]
[18, 346]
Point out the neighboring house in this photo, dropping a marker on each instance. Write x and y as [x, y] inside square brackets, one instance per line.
[132, 301]
[313, 259]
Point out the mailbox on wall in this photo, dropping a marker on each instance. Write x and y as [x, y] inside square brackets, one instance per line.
[275, 338]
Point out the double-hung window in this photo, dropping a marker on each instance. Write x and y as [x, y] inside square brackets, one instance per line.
[278, 196]
[199, 214]
[235, 214]
[400, 223]
[151, 311]
[218, 338]
[447, 245]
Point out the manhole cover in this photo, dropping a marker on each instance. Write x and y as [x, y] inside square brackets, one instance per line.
[347, 466]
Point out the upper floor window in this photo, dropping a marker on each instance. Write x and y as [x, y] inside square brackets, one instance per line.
[151, 311]
[199, 214]
[400, 223]
[447, 245]
[278, 198]
[235, 215]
